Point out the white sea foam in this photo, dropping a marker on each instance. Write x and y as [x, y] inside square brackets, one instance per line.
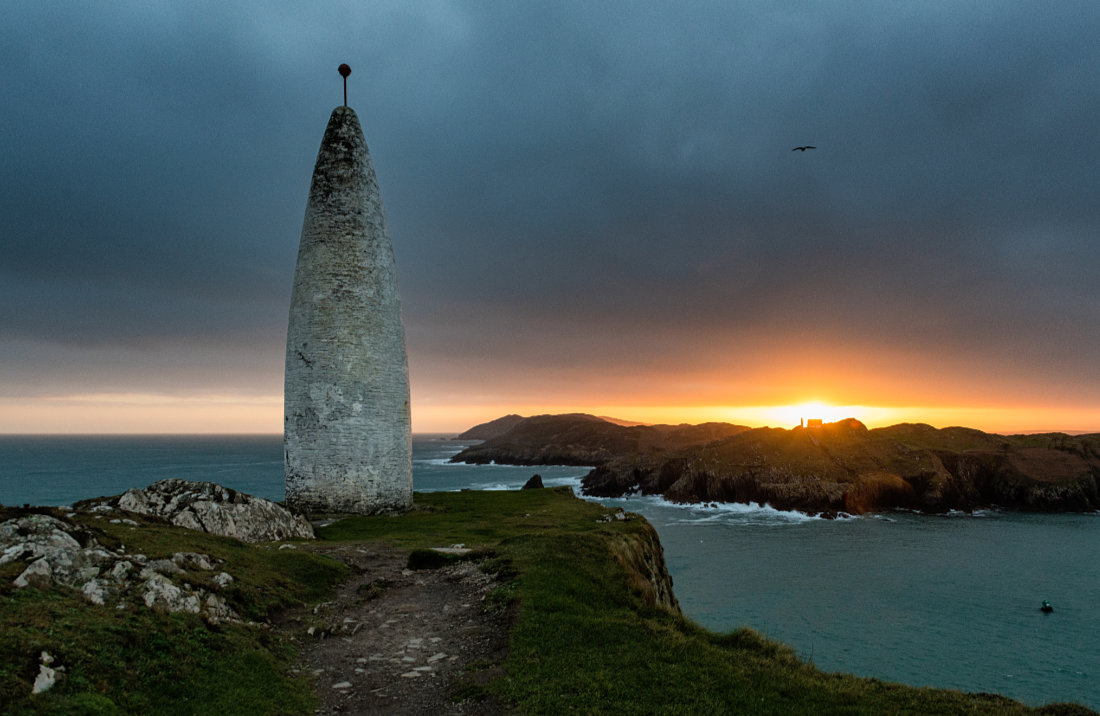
[569, 481]
[494, 486]
[973, 513]
[742, 512]
[719, 513]
[443, 462]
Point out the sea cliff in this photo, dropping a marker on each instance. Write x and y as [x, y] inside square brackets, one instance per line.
[839, 467]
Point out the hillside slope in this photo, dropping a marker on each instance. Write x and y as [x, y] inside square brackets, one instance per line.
[838, 467]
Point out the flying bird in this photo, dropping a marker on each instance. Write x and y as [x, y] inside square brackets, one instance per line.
[802, 149]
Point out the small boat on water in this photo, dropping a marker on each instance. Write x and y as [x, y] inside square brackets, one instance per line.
[1046, 608]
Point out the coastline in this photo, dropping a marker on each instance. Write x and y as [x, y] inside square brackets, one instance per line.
[572, 622]
[828, 470]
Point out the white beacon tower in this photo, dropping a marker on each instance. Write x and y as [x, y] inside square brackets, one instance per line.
[346, 424]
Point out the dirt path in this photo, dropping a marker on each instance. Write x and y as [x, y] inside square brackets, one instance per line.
[396, 641]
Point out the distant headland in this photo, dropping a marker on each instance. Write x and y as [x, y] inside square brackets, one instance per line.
[828, 469]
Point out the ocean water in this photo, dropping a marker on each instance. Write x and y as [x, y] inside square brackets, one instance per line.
[947, 601]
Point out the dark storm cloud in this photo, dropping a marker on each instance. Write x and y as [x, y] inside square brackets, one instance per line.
[641, 169]
[616, 168]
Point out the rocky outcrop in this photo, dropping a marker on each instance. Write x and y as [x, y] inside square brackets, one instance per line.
[209, 507]
[839, 467]
[844, 468]
[60, 554]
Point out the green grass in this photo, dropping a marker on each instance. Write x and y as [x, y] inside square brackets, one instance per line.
[585, 637]
[584, 640]
[135, 661]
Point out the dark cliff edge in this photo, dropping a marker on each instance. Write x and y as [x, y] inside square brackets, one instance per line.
[840, 467]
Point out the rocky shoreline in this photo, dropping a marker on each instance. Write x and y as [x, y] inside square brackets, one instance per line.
[836, 468]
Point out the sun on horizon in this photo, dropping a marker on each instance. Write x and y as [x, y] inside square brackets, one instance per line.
[786, 416]
[228, 414]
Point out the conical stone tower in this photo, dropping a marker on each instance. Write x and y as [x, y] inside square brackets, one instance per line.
[346, 427]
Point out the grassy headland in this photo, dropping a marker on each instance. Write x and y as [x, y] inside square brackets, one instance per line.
[593, 627]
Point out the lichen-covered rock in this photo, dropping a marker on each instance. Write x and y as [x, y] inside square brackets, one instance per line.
[194, 560]
[38, 574]
[162, 594]
[208, 507]
[96, 591]
[52, 550]
[33, 535]
[62, 555]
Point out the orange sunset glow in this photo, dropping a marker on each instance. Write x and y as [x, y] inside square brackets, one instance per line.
[996, 420]
[136, 413]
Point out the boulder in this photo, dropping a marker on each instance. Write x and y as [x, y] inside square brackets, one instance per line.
[535, 483]
[208, 507]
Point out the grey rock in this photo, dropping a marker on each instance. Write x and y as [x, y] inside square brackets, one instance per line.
[34, 535]
[96, 591]
[47, 676]
[208, 507]
[57, 559]
[38, 574]
[164, 566]
[121, 570]
[161, 594]
[194, 560]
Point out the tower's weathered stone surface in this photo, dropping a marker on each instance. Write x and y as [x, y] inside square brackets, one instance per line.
[347, 430]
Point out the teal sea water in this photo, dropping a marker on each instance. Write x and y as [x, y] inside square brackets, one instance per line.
[947, 601]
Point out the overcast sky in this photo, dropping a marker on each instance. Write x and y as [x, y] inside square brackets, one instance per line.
[591, 204]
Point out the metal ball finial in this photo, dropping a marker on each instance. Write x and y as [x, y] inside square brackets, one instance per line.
[344, 71]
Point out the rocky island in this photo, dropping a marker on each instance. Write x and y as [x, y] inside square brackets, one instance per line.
[839, 467]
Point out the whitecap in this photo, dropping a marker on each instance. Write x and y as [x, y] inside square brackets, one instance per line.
[574, 482]
[731, 513]
[437, 461]
[495, 486]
